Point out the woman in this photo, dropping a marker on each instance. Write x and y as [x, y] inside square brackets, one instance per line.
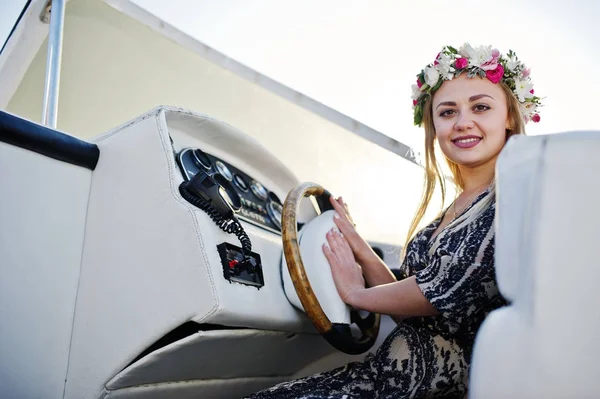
[470, 101]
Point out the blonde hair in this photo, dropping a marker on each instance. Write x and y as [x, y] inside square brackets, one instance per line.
[433, 172]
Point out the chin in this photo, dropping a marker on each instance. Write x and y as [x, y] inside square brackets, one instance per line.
[473, 157]
[472, 160]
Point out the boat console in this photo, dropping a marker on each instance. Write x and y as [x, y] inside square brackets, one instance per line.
[149, 260]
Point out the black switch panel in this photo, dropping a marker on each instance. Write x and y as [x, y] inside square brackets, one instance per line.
[238, 269]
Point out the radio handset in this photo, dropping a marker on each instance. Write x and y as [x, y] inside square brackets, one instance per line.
[216, 196]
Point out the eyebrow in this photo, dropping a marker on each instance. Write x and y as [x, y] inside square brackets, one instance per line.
[471, 99]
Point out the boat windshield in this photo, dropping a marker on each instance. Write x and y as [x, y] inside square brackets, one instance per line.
[11, 10]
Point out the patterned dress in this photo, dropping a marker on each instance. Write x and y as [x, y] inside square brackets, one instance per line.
[424, 356]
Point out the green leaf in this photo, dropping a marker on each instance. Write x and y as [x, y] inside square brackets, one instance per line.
[418, 115]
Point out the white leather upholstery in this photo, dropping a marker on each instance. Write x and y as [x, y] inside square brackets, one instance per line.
[150, 260]
[234, 388]
[545, 344]
[311, 238]
[223, 355]
[42, 219]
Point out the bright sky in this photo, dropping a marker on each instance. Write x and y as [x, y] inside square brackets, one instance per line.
[361, 57]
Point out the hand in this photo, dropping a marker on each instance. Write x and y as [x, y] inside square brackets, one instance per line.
[347, 274]
[360, 248]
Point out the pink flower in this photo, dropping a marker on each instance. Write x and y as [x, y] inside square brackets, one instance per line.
[531, 91]
[496, 75]
[419, 84]
[415, 102]
[461, 63]
[492, 63]
[526, 72]
[436, 58]
[495, 56]
[536, 118]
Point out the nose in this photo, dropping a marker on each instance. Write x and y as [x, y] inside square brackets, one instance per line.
[463, 121]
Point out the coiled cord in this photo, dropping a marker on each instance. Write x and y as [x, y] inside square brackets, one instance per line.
[230, 226]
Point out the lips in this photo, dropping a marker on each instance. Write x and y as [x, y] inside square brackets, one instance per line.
[466, 141]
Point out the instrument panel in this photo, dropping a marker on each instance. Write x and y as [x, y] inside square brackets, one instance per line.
[259, 205]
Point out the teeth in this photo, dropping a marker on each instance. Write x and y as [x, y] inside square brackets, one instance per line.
[470, 140]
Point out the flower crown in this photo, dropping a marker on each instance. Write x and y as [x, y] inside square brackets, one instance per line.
[483, 61]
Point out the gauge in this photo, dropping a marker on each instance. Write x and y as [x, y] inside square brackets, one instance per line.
[223, 170]
[259, 190]
[201, 159]
[274, 209]
[240, 182]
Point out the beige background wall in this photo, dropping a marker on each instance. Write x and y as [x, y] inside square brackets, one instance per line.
[115, 68]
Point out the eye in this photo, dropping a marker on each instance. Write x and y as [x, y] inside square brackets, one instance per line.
[446, 112]
[481, 108]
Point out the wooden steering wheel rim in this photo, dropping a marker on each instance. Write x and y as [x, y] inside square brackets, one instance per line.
[338, 335]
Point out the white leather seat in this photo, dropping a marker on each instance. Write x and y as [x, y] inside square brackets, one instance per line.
[546, 343]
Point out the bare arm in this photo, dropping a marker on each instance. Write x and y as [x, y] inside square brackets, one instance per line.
[399, 299]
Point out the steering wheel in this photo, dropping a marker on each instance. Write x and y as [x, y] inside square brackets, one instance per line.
[339, 335]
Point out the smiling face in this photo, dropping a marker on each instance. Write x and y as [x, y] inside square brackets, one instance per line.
[470, 116]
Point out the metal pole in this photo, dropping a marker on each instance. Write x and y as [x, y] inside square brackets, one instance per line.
[53, 59]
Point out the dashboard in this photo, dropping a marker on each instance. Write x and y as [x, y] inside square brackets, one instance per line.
[256, 205]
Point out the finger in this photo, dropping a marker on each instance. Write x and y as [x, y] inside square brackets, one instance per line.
[330, 256]
[343, 224]
[341, 248]
[341, 239]
[333, 241]
[342, 209]
[332, 200]
[342, 203]
[346, 209]
[338, 207]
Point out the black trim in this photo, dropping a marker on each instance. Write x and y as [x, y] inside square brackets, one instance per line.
[51, 143]
[16, 24]
[323, 201]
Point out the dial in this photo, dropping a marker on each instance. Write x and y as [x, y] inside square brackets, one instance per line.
[240, 182]
[201, 159]
[223, 170]
[274, 209]
[259, 190]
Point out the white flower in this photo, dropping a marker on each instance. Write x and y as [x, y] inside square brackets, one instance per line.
[523, 89]
[445, 66]
[527, 111]
[477, 55]
[416, 92]
[431, 76]
[512, 64]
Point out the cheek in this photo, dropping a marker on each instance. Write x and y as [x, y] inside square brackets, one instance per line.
[442, 129]
[497, 129]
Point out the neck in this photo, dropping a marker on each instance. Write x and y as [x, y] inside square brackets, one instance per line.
[479, 177]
